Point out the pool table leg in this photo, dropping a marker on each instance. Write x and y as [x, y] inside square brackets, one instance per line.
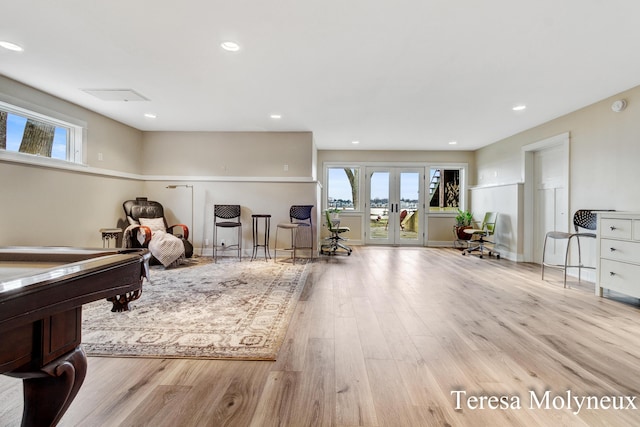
[49, 392]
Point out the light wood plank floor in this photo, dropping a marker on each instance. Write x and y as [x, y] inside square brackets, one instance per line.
[383, 338]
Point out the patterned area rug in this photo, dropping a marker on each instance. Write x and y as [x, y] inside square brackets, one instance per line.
[206, 310]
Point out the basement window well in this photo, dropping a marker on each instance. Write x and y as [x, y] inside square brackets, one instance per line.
[27, 136]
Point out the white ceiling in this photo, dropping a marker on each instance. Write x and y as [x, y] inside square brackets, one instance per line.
[402, 74]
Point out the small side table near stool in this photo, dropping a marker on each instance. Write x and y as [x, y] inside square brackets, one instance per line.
[256, 235]
[108, 234]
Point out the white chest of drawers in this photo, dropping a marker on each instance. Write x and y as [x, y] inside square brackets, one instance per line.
[618, 249]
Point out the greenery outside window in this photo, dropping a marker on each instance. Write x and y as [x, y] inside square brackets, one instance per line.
[446, 189]
[343, 188]
[31, 133]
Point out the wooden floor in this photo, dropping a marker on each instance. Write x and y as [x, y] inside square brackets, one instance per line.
[383, 338]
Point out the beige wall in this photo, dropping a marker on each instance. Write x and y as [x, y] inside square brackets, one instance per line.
[120, 145]
[235, 154]
[245, 168]
[604, 152]
[48, 206]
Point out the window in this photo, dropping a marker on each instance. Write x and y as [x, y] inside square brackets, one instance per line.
[30, 133]
[343, 187]
[446, 189]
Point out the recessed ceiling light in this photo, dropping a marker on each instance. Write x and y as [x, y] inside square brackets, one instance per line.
[11, 46]
[453, 142]
[276, 116]
[230, 46]
[150, 115]
[355, 142]
[519, 107]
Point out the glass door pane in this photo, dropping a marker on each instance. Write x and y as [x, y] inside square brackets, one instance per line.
[378, 206]
[410, 201]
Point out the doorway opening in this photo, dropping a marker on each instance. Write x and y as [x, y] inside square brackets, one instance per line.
[546, 186]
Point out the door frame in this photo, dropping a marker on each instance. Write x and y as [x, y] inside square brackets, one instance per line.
[528, 151]
[395, 171]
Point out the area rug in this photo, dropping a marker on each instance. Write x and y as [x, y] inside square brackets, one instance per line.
[202, 309]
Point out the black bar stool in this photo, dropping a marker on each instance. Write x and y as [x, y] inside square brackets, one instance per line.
[226, 212]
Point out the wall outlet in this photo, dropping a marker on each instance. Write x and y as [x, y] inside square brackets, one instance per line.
[206, 242]
[286, 168]
[100, 157]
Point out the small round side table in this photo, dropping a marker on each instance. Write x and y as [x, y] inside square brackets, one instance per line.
[256, 235]
[108, 234]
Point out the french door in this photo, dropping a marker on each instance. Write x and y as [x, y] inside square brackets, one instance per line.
[395, 205]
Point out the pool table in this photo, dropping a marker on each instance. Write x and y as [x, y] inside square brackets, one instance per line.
[42, 290]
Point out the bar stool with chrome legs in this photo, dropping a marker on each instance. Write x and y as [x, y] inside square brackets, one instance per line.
[299, 219]
[582, 219]
[226, 213]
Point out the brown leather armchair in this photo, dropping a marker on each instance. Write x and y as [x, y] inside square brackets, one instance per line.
[141, 207]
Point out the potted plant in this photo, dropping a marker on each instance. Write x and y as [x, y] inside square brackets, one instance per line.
[463, 221]
[335, 213]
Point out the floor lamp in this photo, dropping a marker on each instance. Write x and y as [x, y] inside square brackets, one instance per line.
[190, 187]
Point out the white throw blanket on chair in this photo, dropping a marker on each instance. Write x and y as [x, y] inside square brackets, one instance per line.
[165, 247]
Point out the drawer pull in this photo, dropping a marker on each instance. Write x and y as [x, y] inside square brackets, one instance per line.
[612, 228]
[611, 273]
[612, 249]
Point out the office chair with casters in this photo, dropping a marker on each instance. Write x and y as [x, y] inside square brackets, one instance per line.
[299, 219]
[334, 241]
[226, 216]
[480, 236]
[582, 219]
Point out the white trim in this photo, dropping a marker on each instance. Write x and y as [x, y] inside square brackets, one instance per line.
[277, 179]
[325, 185]
[36, 110]
[46, 162]
[480, 187]
[35, 160]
